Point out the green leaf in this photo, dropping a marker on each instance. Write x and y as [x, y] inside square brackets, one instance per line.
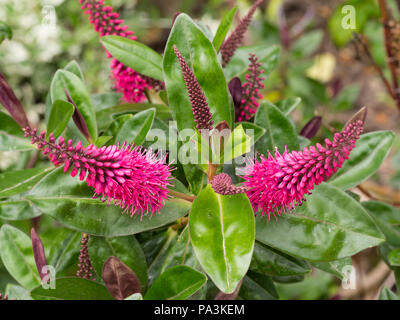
[370, 151]
[201, 57]
[330, 225]
[257, 131]
[135, 55]
[17, 210]
[10, 142]
[394, 257]
[135, 129]
[65, 80]
[222, 233]
[17, 255]
[288, 105]
[74, 67]
[257, 286]
[105, 116]
[72, 289]
[280, 131]
[269, 261]
[102, 140]
[387, 218]
[135, 296]
[5, 31]
[223, 28]
[268, 55]
[69, 201]
[387, 294]
[307, 43]
[17, 292]
[127, 249]
[15, 182]
[176, 283]
[181, 253]
[340, 268]
[60, 114]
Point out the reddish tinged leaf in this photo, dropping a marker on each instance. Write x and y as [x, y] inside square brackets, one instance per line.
[119, 279]
[11, 103]
[359, 115]
[311, 128]
[229, 296]
[38, 253]
[78, 118]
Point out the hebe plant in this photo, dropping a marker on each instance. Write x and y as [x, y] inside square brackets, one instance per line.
[209, 192]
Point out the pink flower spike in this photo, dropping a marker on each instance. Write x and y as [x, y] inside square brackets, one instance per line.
[134, 179]
[230, 45]
[201, 111]
[279, 183]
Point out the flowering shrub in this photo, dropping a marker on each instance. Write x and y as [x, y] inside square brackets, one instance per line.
[169, 195]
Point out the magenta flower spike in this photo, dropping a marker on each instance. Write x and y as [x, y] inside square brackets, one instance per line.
[279, 183]
[230, 45]
[201, 111]
[106, 22]
[222, 184]
[250, 91]
[130, 177]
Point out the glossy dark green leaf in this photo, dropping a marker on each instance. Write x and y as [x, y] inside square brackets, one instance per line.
[135, 129]
[387, 218]
[222, 233]
[60, 114]
[135, 55]
[268, 55]
[72, 289]
[330, 225]
[9, 125]
[223, 28]
[10, 142]
[257, 286]
[69, 201]
[65, 80]
[17, 256]
[201, 57]
[17, 210]
[387, 294]
[176, 283]
[370, 151]
[127, 249]
[269, 261]
[14, 182]
[280, 132]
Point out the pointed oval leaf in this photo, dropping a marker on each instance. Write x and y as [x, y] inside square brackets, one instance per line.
[330, 225]
[201, 57]
[135, 55]
[135, 129]
[65, 80]
[18, 210]
[223, 28]
[222, 233]
[370, 151]
[119, 279]
[280, 132]
[387, 294]
[176, 283]
[70, 288]
[17, 255]
[60, 114]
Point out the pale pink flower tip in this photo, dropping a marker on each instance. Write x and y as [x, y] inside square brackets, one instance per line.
[222, 184]
[279, 183]
[132, 178]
